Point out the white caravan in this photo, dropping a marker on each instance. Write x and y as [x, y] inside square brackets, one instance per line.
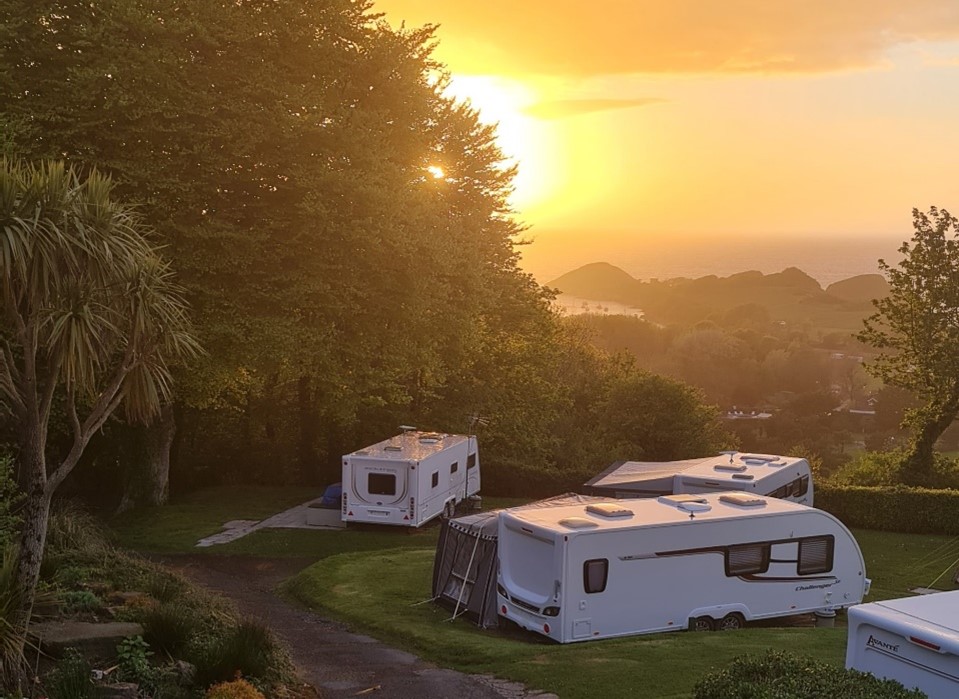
[409, 479]
[785, 477]
[622, 567]
[914, 640]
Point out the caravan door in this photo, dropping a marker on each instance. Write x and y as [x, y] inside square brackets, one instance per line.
[379, 491]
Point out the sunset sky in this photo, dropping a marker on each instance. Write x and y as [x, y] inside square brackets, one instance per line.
[636, 123]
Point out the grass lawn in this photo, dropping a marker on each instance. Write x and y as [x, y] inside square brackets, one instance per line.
[340, 586]
[400, 563]
[176, 527]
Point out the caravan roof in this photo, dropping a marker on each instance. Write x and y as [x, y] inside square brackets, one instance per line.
[730, 468]
[411, 445]
[668, 509]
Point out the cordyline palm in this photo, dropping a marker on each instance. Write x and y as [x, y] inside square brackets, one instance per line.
[90, 315]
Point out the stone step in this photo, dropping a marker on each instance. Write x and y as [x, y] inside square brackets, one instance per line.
[94, 640]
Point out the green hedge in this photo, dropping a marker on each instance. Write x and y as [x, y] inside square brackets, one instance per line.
[894, 509]
[780, 675]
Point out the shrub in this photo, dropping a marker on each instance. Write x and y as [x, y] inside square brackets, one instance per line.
[133, 661]
[237, 689]
[165, 587]
[780, 675]
[248, 649]
[896, 509]
[168, 627]
[878, 468]
[81, 601]
[11, 639]
[70, 679]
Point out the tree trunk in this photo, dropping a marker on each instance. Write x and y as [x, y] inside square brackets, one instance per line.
[306, 452]
[919, 461]
[148, 479]
[29, 555]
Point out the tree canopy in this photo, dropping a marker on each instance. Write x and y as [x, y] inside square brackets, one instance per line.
[916, 330]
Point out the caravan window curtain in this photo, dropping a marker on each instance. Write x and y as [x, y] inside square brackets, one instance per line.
[747, 559]
[815, 555]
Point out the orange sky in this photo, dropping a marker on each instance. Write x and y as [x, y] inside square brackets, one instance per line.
[636, 121]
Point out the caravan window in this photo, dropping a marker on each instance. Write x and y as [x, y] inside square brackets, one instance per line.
[780, 492]
[815, 555]
[471, 460]
[436, 478]
[747, 559]
[381, 484]
[800, 486]
[454, 467]
[595, 574]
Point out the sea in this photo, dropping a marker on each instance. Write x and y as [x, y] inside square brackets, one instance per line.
[825, 259]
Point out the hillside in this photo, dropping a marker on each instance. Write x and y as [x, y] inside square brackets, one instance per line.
[791, 297]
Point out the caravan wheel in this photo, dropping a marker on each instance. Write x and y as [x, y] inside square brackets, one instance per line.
[731, 622]
[449, 510]
[702, 623]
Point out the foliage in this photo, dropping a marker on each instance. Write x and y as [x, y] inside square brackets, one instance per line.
[92, 316]
[915, 329]
[782, 675]
[70, 678]
[133, 659]
[168, 627]
[237, 689]
[248, 649]
[12, 637]
[893, 509]
[81, 601]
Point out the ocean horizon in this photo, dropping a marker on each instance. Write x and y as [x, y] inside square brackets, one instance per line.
[827, 260]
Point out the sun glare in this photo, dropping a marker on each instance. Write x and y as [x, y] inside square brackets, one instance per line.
[436, 171]
[502, 102]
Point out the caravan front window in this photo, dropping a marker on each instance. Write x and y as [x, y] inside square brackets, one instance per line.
[815, 555]
[381, 484]
[595, 574]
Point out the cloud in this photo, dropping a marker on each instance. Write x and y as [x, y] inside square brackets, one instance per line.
[557, 109]
[574, 38]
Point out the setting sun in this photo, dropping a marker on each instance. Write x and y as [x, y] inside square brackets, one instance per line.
[523, 140]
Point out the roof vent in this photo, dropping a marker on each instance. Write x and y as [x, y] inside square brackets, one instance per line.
[758, 458]
[578, 523]
[609, 509]
[392, 447]
[430, 437]
[730, 467]
[680, 499]
[743, 499]
[363, 452]
[694, 506]
[743, 476]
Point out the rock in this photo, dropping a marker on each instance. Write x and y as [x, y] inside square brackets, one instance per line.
[93, 640]
[186, 672]
[120, 690]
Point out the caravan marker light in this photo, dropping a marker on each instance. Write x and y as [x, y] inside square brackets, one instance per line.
[546, 628]
[925, 644]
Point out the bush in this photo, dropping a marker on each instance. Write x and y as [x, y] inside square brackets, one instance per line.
[70, 679]
[248, 649]
[237, 689]
[885, 468]
[779, 675]
[893, 509]
[168, 627]
[81, 601]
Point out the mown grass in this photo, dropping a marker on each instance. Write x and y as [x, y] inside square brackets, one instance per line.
[400, 563]
[665, 665]
[177, 526]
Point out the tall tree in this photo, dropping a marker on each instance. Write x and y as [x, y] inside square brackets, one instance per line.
[283, 151]
[916, 329]
[91, 318]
